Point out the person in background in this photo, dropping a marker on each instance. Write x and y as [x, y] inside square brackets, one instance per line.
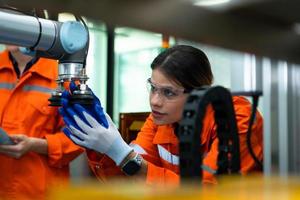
[154, 155]
[41, 154]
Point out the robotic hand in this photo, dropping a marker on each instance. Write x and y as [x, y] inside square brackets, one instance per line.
[92, 128]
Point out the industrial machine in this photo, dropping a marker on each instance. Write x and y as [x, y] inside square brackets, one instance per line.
[66, 42]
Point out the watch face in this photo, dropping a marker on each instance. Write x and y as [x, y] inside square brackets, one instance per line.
[132, 166]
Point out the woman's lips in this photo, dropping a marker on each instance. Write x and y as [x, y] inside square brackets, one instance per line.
[157, 114]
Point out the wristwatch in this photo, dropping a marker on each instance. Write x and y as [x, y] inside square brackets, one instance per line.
[133, 165]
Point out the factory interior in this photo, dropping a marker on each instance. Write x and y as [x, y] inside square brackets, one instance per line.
[252, 46]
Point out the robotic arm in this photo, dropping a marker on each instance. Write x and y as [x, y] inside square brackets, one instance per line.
[66, 42]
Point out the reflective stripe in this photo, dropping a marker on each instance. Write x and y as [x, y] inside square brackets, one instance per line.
[8, 86]
[137, 148]
[208, 169]
[37, 89]
[167, 156]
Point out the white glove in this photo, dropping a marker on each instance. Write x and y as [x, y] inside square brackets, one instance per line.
[104, 140]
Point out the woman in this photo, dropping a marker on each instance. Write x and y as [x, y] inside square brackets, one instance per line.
[154, 154]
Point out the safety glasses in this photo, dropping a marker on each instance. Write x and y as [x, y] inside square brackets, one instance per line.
[167, 93]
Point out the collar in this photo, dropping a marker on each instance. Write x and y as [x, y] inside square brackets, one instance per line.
[47, 68]
[16, 67]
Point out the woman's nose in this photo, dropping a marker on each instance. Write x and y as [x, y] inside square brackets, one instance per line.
[156, 99]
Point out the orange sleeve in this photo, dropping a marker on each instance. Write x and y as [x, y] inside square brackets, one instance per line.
[61, 150]
[103, 167]
[145, 141]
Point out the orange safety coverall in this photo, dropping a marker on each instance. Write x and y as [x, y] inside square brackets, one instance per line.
[159, 146]
[24, 110]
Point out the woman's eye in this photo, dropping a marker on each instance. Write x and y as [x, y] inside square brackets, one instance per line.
[169, 93]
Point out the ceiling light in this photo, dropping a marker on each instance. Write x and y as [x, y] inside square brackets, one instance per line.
[210, 2]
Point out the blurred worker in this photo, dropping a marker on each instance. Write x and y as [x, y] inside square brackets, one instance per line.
[41, 154]
[154, 154]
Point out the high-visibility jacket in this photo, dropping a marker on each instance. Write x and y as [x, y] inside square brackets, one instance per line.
[159, 146]
[24, 110]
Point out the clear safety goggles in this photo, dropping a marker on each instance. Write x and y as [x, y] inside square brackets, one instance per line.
[167, 93]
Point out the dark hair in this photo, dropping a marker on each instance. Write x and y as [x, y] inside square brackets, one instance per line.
[185, 65]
